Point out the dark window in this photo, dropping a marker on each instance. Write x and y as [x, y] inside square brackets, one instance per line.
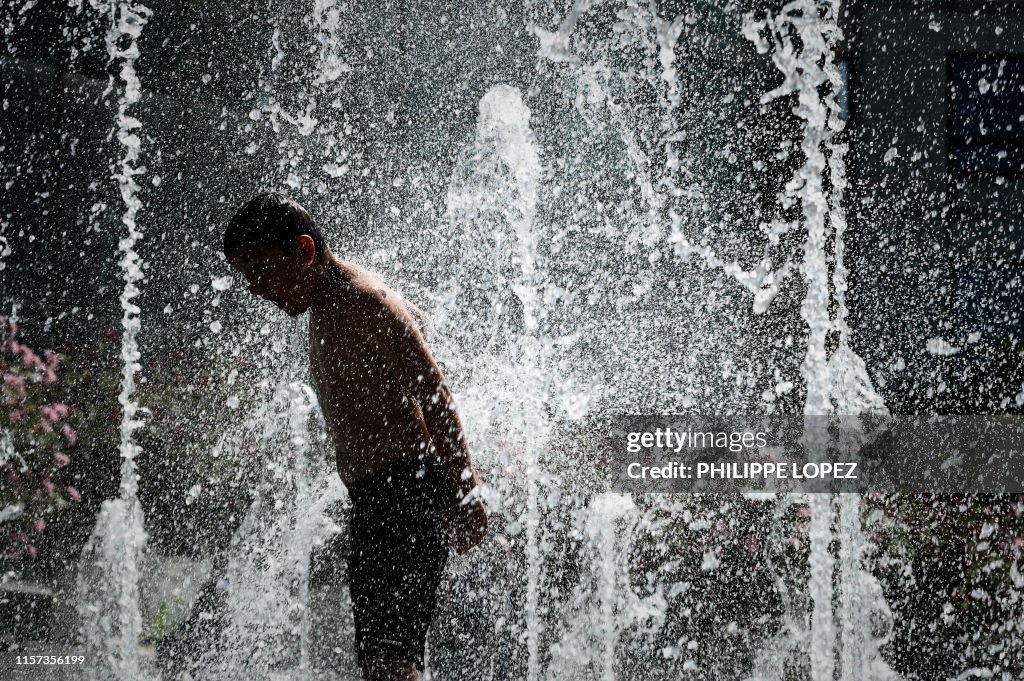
[986, 114]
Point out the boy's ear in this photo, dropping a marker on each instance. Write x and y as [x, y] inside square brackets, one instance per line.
[307, 249]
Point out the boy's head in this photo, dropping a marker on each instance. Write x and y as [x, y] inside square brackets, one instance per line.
[275, 243]
[274, 219]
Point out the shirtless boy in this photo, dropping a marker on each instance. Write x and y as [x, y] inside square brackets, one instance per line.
[399, 444]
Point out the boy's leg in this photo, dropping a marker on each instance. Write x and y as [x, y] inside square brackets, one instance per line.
[399, 550]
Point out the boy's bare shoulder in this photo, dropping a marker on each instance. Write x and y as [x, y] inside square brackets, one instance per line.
[369, 293]
[374, 300]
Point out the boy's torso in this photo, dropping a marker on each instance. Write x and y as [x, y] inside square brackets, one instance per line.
[372, 419]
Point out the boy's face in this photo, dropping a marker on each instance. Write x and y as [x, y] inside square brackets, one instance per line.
[274, 275]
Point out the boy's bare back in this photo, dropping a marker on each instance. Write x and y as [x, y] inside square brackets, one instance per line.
[373, 418]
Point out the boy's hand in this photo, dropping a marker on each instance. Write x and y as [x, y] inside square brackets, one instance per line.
[467, 524]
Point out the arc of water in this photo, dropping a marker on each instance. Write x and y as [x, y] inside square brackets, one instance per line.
[554, 46]
[505, 151]
[763, 281]
[859, 592]
[838, 384]
[610, 529]
[128, 20]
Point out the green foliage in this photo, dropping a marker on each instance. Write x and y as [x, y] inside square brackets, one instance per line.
[164, 622]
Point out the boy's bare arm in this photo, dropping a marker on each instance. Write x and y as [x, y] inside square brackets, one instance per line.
[395, 334]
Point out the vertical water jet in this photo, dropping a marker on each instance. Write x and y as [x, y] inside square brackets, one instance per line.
[109, 576]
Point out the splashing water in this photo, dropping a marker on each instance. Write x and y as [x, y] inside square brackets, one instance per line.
[266, 582]
[498, 185]
[604, 605]
[593, 253]
[492, 204]
[109, 586]
[838, 384]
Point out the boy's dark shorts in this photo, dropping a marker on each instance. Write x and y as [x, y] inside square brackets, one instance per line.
[399, 550]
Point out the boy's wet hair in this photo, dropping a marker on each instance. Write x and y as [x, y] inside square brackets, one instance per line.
[271, 218]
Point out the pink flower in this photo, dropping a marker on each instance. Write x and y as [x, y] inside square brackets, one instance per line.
[29, 358]
[62, 459]
[70, 434]
[31, 551]
[53, 412]
[52, 359]
[39, 524]
[111, 333]
[17, 414]
[49, 376]
[48, 485]
[73, 494]
[16, 385]
[14, 382]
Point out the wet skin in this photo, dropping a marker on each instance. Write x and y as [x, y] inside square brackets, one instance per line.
[382, 394]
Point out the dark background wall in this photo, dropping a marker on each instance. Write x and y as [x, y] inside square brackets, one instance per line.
[61, 209]
[938, 232]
